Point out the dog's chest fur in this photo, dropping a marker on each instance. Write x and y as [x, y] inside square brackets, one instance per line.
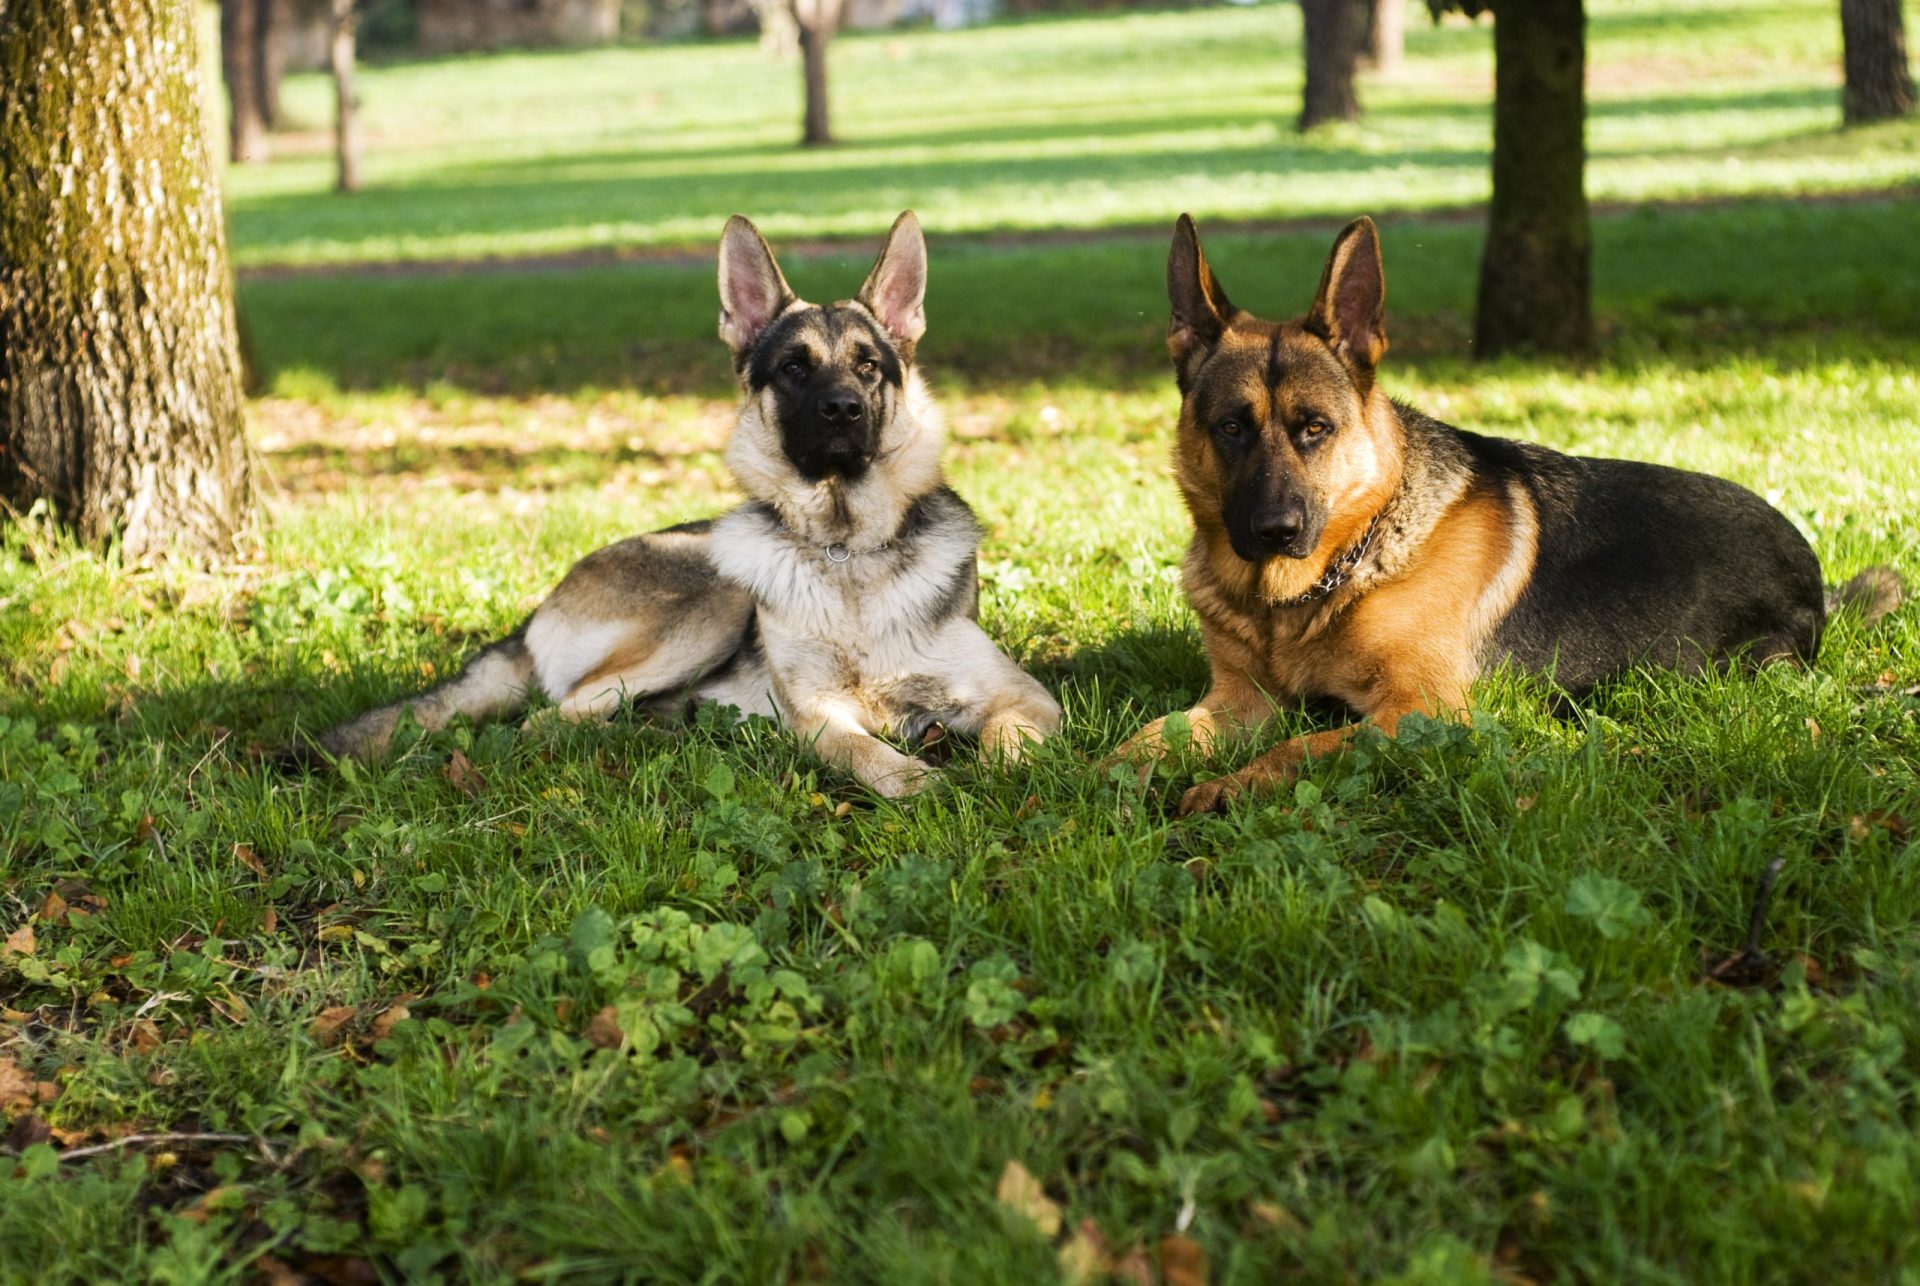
[870, 626]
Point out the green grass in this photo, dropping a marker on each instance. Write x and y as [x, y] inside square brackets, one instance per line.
[1084, 123]
[1440, 1013]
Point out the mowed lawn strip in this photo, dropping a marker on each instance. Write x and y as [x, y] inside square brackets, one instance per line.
[1092, 122]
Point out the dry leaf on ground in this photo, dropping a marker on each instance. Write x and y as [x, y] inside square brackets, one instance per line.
[1021, 1193]
[603, 1030]
[465, 777]
[1182, 1262]
[244, 854]
[19, 942]
[16, 1085]
[1083, 1256]
[326, 1028]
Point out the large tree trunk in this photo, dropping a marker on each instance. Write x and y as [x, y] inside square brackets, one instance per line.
[1333, 31]
[817, 21]
[1385, 46]
[346, 107]
[270, 57]
[240, 61]
[1873, 36]
[1536, 271]
[119, 381]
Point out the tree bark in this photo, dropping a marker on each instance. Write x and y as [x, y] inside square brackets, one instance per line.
[817, 21]
[1385, 46]
[1873, 38]
[346, 107]
[270, 57]
[1536, 270]
[1332, 40]
[240, 63]
[120, 396]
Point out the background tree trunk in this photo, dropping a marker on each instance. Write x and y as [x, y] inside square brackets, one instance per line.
[270, 57]
[1873, 38]
[1333, 31]
[240, 63]
[346, 107]
[119, 380]
[817, 21]
[1385, 47]
[1536, 271]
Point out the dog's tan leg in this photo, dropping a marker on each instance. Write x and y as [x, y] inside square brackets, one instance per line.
[1011, 726]
[1284, 762]
[633, 667]
[836, 733]
[1233, 707]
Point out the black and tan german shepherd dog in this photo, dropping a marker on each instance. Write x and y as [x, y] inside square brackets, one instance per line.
[1348, 547]
[841, 598]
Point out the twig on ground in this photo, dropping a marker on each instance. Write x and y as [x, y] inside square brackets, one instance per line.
[162, 1139]
[1750, 965]
[1762, 899]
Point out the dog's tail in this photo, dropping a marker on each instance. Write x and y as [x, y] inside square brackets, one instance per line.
[494, 683]
[1873, 593]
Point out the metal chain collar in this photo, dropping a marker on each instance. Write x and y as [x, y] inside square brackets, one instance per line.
[1339, 571]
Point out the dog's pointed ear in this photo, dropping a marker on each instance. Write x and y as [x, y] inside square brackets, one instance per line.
[896, 289]
[1348, 311]
[1200, 306]
[752, 290]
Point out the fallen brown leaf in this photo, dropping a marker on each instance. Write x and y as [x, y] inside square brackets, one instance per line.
[1021, 1193]
[1182, 1262]
[54, 909]
[383, 1025]
[276, 1273]
[16, 1086]
[326, 1027]
[27, 1131]
[1892, 823]
[1083, 1256]
[1277, 1217]
[465, 777]
[603, 1030]
[244, 854]
[1133, 1268]
[19, 942]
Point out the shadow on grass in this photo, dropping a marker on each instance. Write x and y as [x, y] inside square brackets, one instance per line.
[1799, 281]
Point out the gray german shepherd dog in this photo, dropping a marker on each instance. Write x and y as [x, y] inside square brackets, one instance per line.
[841, 598]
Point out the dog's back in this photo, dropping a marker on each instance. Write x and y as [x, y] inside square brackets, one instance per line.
[1639, 563]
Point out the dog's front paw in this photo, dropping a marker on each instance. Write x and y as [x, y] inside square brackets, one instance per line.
[1211, 796]
[1006, 740]
[908, 780]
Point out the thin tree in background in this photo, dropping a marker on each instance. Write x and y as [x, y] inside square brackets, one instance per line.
[1333, 31]
[1536, 272]
[269, 57]
[817, 21]
[120, 396]
[1873, 39]
[240, 65]
[1385, 45]
[346, 106]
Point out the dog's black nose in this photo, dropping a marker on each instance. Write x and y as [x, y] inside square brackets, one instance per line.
[840, 408]
[1281, 525]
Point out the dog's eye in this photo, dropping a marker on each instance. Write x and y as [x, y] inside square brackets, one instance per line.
[1314, 428]
[1230, 428]
[866, 366]
[794, 367]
